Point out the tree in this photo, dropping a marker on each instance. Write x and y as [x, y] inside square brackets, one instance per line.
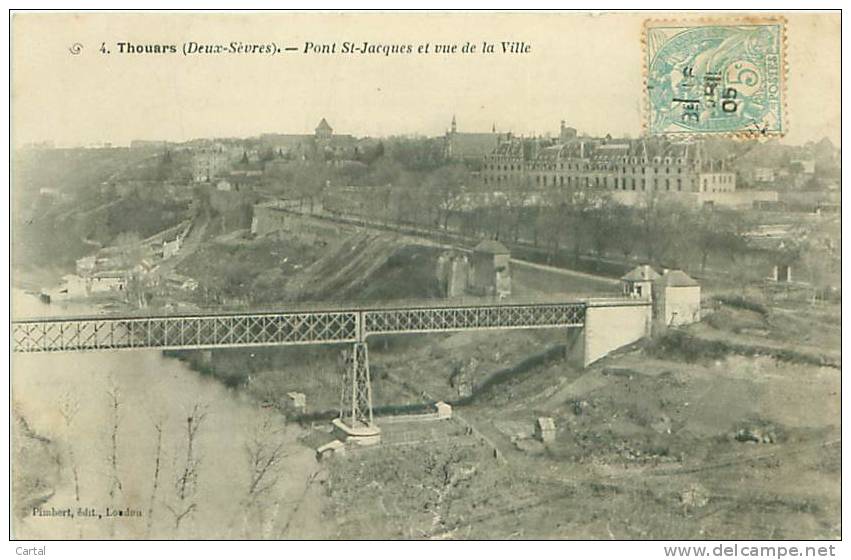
[186, 484]
[69, 406]
[717, 232]
[625, 231]
[114, 395]
[155, 483]
[599, 217]
[384, 171]
[662, 224]
[265, 451]
[448, 183]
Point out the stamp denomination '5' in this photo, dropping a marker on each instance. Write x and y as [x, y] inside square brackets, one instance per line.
[724, 77]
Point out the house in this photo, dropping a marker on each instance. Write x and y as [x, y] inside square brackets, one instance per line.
[638, 282]
[177, 281]
[676, 298]
[545, 429]
[491, 274]
[806, 164]
[207, 164]
[763, 174]
[107, 281]
[782, 273]
[171, 248]
[675, 294]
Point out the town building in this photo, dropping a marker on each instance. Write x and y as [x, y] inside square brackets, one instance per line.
[323, 133]
[616, 165]
[806, 164]
[469, 146]
[107, 281]
[628, 169]
[763, 174]
[208, 163]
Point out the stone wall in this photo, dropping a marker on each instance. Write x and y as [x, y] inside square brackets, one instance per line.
[267, 219]
[608, 326]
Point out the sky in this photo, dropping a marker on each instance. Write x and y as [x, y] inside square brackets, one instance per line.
[583, 68]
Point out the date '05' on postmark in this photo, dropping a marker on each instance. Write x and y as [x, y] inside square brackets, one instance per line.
[715, 77]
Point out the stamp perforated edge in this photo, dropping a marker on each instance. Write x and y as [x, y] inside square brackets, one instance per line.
[700, 20]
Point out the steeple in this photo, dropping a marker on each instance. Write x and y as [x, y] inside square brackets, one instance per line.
[454, 125]
[323, 129]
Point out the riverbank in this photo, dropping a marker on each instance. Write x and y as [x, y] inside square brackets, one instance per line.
[119, 424]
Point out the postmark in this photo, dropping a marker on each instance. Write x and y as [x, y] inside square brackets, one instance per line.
[722, 77]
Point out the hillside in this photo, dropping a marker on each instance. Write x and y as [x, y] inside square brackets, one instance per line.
[649, 444]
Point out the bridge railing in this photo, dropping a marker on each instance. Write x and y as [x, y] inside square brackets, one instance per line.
[283, 328]
[328, 306]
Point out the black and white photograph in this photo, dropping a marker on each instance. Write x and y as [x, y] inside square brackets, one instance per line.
[448, 275]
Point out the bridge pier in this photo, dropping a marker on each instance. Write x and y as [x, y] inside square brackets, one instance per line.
[356, 423]
[609, 325]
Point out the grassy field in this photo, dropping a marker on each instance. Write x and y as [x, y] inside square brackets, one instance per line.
[649, 445]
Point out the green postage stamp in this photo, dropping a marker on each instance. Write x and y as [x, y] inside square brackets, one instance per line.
[715, 77]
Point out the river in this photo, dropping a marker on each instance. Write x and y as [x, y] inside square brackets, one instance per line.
[153, 390]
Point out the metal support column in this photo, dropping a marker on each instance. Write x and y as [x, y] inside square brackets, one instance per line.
[356, 398]
[355, 424]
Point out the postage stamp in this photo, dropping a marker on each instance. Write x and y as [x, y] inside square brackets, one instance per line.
[722, 77]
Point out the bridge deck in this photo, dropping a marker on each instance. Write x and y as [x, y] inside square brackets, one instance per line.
[282, 328]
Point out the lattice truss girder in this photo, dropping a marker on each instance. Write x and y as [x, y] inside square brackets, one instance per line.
[184, 332]
[483, 317]
[317, 327]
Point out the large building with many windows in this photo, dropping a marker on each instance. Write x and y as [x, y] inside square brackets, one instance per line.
[616, 165]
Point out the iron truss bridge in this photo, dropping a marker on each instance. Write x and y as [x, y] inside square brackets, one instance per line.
[284, 328]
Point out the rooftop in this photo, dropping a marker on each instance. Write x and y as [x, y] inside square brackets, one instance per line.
[324, 126]
[639, 273]
[492, 246]
[677, 279]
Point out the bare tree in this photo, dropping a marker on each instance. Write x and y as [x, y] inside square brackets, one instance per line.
[446, 473]
[187, 480]
[265, 451]
[115, 411]
[69, 406]
[158, 428]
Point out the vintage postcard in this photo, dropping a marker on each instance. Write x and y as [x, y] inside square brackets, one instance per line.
[412, 275]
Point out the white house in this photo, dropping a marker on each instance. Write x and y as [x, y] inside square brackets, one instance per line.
[676, 298]
[638, 282]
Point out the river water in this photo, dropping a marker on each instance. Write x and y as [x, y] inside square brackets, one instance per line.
[152, 390]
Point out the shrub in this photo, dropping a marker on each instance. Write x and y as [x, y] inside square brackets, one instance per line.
[741, 302]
